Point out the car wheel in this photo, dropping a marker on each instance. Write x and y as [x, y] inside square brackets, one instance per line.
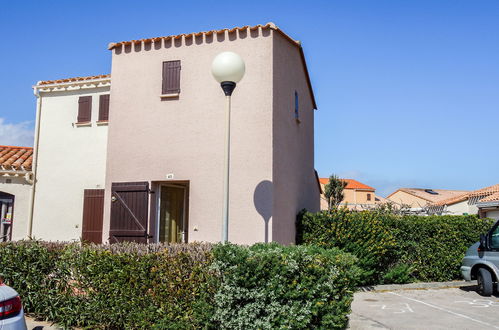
[485, 284]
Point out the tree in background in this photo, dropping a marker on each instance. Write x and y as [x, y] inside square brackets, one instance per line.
[333, 191]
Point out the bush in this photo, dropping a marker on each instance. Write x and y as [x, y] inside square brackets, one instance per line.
[268, 286]
[398, 274]
[183, 286]
[113, 287]
[433, 246]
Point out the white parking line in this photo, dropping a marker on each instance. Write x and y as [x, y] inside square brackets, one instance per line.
[446, 310]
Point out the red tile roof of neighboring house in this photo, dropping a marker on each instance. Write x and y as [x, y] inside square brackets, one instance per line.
[436, 196]
[351, 184]
[267, 26]
[485, 191]
[492, 198]
[15, 158]
[476, 193]
[75, 79]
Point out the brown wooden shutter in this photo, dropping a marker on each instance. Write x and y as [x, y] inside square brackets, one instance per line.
[93, 213]
[129, 212]
[171, 77]
[84, 109]
[104, 107]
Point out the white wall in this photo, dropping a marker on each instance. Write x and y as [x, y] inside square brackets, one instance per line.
[21, 191]
[461, 208]
[70, 159]
[493, 214]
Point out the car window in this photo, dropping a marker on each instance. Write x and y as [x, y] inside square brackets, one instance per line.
[494, 238]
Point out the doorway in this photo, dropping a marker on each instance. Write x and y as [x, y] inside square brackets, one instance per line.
[172, 213]
[6, 216]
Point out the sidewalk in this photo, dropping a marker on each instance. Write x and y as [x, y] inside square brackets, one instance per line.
[31, 323]
[416, 286]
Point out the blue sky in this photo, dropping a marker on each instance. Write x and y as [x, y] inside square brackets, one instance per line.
[408, 91]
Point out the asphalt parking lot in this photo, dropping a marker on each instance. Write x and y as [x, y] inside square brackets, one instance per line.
[456, 308]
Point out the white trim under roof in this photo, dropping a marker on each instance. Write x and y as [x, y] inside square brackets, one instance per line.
[73, 85]
[488, 204]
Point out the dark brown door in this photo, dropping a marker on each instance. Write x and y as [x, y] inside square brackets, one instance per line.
[129, 210]
[93, 212]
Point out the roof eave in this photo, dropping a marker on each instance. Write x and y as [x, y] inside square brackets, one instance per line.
[488, 204]
[80, 83]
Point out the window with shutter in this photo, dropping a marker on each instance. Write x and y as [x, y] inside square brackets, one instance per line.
[84, 109]
[171, 77]
[104, 107]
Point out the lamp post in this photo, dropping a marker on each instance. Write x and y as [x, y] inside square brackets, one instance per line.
[228, 69]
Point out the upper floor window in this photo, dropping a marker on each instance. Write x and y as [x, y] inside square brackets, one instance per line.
[104, 107]
[297, 110]
[84, 109]
[368, 197]
[171, 78]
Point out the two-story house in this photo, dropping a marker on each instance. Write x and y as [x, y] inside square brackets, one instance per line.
[71, 143]
[155, 172]
[356, 195]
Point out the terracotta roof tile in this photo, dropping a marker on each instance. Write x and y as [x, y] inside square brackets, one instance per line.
[485, 191]
[75, 79]
[15, 158]
[492, 190]
[452, 200]
[492, 198]
[196, 34]
[434, 196]
[351, 184]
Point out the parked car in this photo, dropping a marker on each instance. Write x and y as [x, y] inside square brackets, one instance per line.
[481, 262]
[11, 309]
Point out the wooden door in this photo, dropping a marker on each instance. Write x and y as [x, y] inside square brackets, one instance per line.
[93, 213]
[129, 212]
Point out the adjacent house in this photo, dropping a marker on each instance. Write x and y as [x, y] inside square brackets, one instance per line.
[479, 201]
[138, 155]
[418, 198]
[71, 142]
[489, 206]
[15, 191]
[357, 195]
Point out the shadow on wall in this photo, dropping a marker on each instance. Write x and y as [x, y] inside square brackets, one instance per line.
[262, 198]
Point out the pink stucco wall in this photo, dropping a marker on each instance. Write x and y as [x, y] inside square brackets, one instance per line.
[150, 137]
[295, 184]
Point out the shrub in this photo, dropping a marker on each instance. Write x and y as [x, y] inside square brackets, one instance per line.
[114, 287]
[268, 286]
[433, 246]
[398, 274]
[359, 233]
[183, 286]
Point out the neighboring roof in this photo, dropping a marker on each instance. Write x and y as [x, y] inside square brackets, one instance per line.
[15, 158]
[351, 184]
[485, 191]
[492, 198]
[75, 79]
[476, 193]
[430, 195]
[269, 25]
[381, 200]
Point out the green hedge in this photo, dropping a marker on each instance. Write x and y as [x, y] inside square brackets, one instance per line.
[188, 286]
[393, 248]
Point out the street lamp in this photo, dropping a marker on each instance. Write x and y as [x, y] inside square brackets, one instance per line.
[228, 69]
